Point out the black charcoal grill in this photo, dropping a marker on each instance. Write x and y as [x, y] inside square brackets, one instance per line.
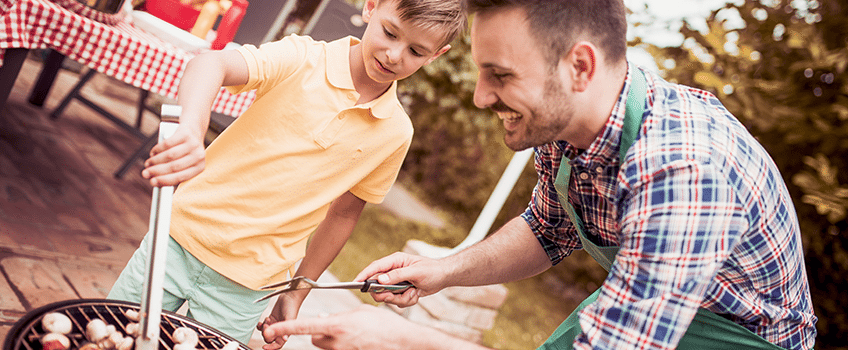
[27, 332]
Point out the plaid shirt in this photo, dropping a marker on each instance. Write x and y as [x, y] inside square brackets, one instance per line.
[701, 215]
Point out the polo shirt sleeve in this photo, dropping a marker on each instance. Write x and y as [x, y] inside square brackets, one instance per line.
[376, 185]
[272, 62]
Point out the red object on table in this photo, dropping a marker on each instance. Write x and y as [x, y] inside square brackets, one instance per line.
[229, 24]
[121, 51]
[174, 12]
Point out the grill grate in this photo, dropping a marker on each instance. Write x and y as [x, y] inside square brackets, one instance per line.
[27, 332]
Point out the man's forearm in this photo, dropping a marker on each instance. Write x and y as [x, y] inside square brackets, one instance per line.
[511, 253]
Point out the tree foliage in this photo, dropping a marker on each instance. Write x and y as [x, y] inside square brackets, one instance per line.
[782, 73]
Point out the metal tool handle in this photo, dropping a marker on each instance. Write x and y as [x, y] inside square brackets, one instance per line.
[371, 286]
[160, 224]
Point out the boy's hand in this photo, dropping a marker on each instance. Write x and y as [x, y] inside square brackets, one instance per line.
[175, 159]
[286, 309]
[425, 274]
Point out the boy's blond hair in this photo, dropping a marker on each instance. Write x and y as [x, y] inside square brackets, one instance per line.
[444, 15]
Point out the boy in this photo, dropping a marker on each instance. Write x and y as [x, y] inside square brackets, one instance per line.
[325, 134]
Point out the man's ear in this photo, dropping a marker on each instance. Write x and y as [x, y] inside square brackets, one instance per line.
[438, 53]
[368, 10]
[581, 63]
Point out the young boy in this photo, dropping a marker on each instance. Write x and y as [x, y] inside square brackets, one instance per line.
[325, 134]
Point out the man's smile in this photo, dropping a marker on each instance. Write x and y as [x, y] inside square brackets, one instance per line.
[508, 115]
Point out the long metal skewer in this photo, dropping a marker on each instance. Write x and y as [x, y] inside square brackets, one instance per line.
[160, 224]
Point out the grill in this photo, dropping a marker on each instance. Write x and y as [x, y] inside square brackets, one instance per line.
[27, 332]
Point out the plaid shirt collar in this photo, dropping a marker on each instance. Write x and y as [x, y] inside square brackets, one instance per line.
[603, 152]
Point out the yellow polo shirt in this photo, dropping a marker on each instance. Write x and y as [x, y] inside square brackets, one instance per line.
[270, 176]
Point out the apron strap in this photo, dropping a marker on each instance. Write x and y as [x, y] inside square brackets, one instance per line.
[633, 114]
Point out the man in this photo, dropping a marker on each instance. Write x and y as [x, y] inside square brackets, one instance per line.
[657, 181]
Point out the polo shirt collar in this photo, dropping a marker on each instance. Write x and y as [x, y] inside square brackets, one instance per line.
[339, 76]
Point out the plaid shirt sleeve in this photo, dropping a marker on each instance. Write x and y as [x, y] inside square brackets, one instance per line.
[545, 216]
[702, 218]
[705, 221]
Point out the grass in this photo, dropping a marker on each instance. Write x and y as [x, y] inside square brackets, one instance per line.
[533, 309]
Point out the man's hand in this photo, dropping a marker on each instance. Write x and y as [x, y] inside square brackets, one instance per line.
[427, 275]
[367, 327]
[175, 159]
[286, 309]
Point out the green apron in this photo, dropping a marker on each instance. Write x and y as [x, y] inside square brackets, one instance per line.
[707, 330]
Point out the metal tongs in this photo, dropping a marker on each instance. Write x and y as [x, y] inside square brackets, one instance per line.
[160, 224]
[300, 282]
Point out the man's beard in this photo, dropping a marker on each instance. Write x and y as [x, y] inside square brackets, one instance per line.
[546, 121]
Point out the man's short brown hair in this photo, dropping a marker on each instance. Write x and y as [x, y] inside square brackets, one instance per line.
[559, 24]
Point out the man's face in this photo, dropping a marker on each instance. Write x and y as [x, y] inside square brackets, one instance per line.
[516, 81]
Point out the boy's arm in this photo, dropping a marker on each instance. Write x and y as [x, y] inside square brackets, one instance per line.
[331, 235]
[324, 246]
[182, 156]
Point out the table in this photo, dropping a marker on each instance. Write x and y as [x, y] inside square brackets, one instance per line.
[121, 51]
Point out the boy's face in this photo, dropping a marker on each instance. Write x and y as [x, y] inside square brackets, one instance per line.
[393, 49]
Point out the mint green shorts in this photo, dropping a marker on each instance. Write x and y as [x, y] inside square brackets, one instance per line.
[212, 299]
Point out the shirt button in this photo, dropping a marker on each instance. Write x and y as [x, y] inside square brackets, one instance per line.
[351, 96]
[584, 176]
[599, 170]
[341, 116]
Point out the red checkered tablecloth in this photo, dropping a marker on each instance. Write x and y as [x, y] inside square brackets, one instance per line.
[121, 50]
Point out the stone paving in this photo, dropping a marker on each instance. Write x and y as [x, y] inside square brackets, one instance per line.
[67, 227]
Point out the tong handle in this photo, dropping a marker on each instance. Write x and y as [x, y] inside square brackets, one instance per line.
[371, 286]
[160, 223]
[278, 284]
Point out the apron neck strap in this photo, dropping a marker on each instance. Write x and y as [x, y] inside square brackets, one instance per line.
[633, 113]
[632, 121]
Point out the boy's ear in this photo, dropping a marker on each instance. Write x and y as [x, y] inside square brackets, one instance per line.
[438, 53]
[368, 9]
